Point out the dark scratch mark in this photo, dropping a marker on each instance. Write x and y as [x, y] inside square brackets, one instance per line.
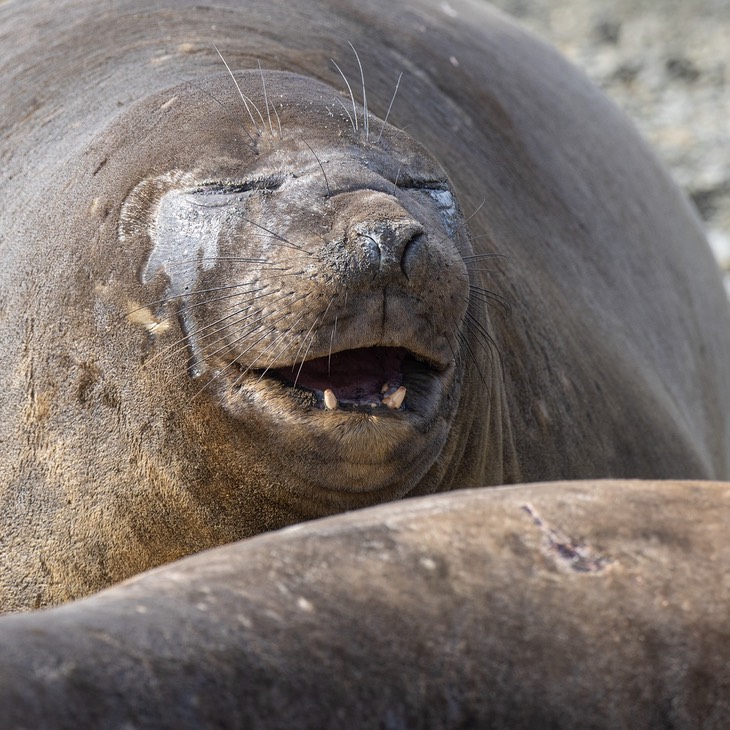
[576, 556]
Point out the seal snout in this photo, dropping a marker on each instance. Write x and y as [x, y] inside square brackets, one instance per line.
[380, 235]
[387, 245]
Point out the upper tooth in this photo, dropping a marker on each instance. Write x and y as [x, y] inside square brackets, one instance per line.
[330, 400]
[395, 400]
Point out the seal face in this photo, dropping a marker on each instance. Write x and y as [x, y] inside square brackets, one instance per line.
[319, 283]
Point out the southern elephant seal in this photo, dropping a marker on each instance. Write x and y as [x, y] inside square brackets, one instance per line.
[576, 605]
[191, 351]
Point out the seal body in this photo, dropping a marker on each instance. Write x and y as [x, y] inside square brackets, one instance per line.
[244, 300]
[588, 604]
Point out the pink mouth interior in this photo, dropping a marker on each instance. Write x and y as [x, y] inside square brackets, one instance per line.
[353, 375]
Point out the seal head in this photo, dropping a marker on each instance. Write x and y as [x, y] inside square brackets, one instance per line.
[317, 270]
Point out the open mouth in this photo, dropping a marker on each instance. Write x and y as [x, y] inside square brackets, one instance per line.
[362, 379]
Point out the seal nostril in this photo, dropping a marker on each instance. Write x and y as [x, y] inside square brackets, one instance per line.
[373, 250]
[411, 251]
[381, 248]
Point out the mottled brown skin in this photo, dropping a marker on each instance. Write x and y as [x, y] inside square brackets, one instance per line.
[119, 455]
[572, 605]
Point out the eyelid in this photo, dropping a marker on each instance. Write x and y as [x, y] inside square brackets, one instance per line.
[412, 184]
[269, 184]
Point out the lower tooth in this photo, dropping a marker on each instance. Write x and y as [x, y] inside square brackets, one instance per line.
[330, 400]
[395, 400]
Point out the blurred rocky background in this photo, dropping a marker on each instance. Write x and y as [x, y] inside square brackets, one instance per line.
[667, 64]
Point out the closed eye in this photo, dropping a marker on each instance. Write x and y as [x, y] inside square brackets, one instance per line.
[437, 190]
[409, 183]
[221, 194]
[440, 195]
[266, 184]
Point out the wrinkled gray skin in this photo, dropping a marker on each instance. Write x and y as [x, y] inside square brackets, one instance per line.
[578, 605]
